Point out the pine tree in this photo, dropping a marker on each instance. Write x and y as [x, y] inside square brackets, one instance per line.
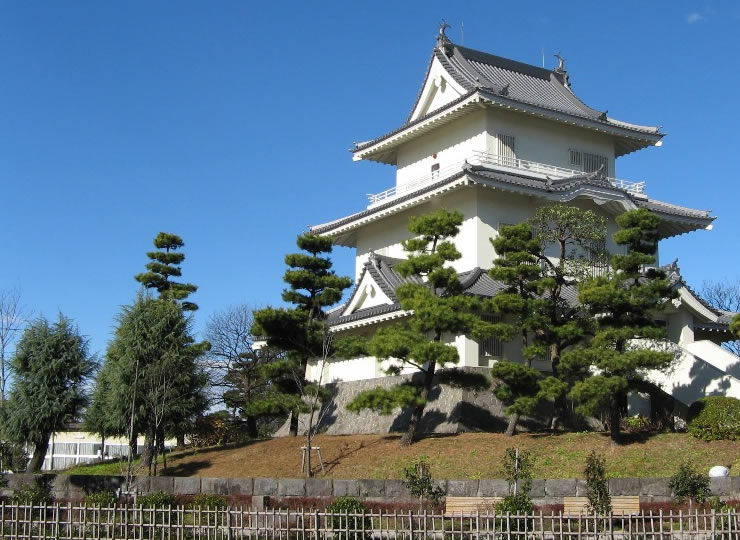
[50, 368]
[578, 237]
[299, 332]
[439, 308]
[520, 307]
[165, 265]
[735, 325]
[623, 304]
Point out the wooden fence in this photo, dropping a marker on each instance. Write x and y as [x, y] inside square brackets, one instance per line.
[136, 523]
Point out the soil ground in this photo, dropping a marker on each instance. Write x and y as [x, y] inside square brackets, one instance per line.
[462, 456]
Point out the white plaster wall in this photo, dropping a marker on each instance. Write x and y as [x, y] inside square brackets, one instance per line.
[452, 143]
[693, 376]
[439, 89]
[545, 141]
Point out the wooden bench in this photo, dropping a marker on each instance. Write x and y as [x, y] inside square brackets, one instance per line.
[470, 505]
[621, 504]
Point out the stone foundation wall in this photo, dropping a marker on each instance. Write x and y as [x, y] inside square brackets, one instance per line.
[544, 492]
[449, 410]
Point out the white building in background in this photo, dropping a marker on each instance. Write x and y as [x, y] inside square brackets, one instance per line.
[73, 447]
[495, 139]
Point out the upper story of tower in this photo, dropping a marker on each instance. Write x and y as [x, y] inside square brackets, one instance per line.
[488, 110]
[496, 139]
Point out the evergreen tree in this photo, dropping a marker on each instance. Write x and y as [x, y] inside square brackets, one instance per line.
[165, 265]
[735, 325]
[623, 304]
[578, 238]
[439, 308]
[50, 368]
[521, 308]
[150, 382]
[299, 332]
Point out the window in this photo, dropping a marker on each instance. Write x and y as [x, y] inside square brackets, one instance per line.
[575, 158]
[594, 162]
[506, 150]
[598, 258]
[435, 170]
[490, 347]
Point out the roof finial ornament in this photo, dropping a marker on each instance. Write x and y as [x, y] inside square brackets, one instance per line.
[561, 63]
[442, 39]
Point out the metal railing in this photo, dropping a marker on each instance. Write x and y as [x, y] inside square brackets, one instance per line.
[74, 522]
[537, 170]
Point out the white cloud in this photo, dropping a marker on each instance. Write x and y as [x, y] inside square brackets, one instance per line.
[692, 18]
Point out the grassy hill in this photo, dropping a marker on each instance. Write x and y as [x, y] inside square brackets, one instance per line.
[463, 456]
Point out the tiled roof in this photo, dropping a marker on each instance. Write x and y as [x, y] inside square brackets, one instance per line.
[475, 282]
[562, 186]
[513, 82]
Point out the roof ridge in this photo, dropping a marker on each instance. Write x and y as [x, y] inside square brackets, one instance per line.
[506, 63]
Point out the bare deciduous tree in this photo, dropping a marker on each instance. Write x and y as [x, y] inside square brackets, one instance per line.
[233, 365]
[725, 296]
[13, 317]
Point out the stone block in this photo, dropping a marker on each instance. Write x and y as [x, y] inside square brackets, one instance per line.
[241, 486]
[216, 486]
[735, 486]
[162, 483]
[372, 488]
[187, 485]
[493, 488]
[441, 484]
[291, 487]
[721, 485]
[560, 487]
[538, 489]
[581, 487]
[141, 484]
[19, 479]
[654, 487]
[95, 483]
[624, 486]
[462, 488]
[60, 483]
[343, 488]
[318, 487]
[265, 486]
[396, 490]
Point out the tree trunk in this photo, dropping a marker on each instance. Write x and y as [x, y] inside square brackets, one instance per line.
[133, 445]
[513, 421]
[180, 440]
[146, 457]
[39, 453]
[418, 412]
[614, 422]
[252, 427]
[293, 431]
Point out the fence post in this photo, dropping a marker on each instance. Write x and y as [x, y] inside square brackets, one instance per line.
[316, 523]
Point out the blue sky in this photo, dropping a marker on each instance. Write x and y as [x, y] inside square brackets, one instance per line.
[228, 123]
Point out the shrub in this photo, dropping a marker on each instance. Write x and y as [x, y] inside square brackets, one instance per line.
[208, 500]
[715, 418]
[36, 492]
[418, 479]
[349, 505]
[156, 499]
[597, 485]
[102, 499]
[689, 484]
[637, 424]
[519, 504]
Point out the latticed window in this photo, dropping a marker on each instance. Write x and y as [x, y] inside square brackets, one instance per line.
[506, 149]
[598, 257]
[595, 162]
[490, 347]
[575, 158]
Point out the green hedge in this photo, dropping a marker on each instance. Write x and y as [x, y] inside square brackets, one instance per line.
[715, 418]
